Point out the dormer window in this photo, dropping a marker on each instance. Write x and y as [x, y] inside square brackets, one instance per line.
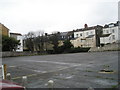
[113, 37]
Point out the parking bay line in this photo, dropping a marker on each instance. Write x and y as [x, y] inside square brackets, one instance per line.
[26, 75]
[31, 75]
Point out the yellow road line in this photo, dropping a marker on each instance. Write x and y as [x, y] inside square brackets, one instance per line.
[11, 66]
[31, 75]
[16, 78]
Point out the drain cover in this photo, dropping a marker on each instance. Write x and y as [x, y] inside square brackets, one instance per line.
[106, 71]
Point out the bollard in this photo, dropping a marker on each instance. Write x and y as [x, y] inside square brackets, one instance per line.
[98, 47]
[8, 76]
[51, 84]
[4, 71]
[90, 88]
[24, 81]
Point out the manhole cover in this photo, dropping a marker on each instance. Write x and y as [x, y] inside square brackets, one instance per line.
[106, 71]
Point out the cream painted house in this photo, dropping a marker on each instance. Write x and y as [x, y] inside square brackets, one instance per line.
[110, 34]
[84, 42]
[4, 30]
[86, 37]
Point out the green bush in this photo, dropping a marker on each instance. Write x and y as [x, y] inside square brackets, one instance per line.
[79, 49]
[9, 43]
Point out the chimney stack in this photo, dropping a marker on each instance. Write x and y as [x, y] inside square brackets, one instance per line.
[85, 26]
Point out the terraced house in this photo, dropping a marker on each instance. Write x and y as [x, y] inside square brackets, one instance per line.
[87, 36]
[110, 34]
[4, 30]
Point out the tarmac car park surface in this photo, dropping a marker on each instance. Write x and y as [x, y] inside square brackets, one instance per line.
[78, 70]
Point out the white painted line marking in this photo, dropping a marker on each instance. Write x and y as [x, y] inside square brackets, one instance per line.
[53, 62]
[69, 77]
[11, 66]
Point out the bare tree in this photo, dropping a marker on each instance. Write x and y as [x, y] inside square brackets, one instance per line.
[39, 41]
[54, 38]
[36, 41]
[29, 41]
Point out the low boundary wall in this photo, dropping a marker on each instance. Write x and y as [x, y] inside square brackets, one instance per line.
[110, 47]
[13, 54]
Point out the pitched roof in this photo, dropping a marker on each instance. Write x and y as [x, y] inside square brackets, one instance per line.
[105, 35]
[112, 24]
[88, 28]
[4, 26]
[16, 34]
[90, 36]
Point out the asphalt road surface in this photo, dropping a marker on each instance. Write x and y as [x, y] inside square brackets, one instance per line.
[78, 70]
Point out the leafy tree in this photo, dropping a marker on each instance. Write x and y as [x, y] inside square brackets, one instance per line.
[9, 43]
[67, 44]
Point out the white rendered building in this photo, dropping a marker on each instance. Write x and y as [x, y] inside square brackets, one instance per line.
[110, 34]
[18, 36]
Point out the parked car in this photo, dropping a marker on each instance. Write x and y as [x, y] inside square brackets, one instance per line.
[8, 85]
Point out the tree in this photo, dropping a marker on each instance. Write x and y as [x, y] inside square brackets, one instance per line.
[55, 41]
[34, 41]
[39, 41]
[67, 44]
[29, 38]
[9, 43]
[46, 41]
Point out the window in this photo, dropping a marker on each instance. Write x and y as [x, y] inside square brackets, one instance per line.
[110, 38]
[104, 31]
[113, 37]
[87, 33]
[113, 30]
[80, 34]
[91, 32]
[107, 31]
[76, 35]
[82, 40]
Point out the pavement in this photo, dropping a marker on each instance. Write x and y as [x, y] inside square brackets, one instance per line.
[78, 70]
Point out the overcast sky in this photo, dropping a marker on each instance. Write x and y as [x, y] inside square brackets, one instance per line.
[22, 16]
